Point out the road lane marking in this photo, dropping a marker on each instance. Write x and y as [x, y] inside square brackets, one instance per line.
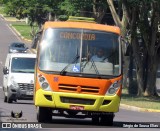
[14, 32]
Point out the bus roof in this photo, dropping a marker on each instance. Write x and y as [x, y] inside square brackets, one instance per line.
[81, 25]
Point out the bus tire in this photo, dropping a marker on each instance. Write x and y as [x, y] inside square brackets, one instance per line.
[107, 120]
[8, 97]
[44, 114]
[95, 120]
[5, 98]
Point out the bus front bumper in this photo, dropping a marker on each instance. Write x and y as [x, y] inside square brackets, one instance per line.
[86, 102]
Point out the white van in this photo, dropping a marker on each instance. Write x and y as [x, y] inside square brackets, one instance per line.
[18, 78]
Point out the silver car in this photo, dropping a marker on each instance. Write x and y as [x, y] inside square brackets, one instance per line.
[17, 47]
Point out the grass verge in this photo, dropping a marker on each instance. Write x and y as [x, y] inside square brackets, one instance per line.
[23, 29]
[143, 102]
[20, 25]
[2, 10]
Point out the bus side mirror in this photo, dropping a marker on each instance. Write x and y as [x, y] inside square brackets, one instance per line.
[5, 70]
[127, 49]
[36, 39]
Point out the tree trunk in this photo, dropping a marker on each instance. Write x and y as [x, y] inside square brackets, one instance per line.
[132, 88]
[114, 14]
[98, 13]
[126, 60]
[140, 81]
[50, 16]
[122, 25]
[139, 66]
[151, 77]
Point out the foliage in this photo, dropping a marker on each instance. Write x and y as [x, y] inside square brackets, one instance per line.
[74, 7]
[37, 11]
[23, 29]
[63, 17]
[86, 8]
[140, 17]
[143, 102]
[144, 33]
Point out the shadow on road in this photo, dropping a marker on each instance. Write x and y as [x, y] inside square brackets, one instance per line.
[87, 123]
[3, 114]
[28, 102]
[71, 123]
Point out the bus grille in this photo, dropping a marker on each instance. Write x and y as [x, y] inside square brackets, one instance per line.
[26, 86]
[77, 101]
[78, 89]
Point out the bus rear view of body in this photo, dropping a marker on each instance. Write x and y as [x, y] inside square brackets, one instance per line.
[68, 81]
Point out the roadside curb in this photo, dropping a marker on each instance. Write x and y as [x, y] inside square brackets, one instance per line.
[10, 20]
[134, 108]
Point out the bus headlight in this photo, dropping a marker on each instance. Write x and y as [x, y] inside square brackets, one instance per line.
[43, 83]
[42, 79]
[113, 88]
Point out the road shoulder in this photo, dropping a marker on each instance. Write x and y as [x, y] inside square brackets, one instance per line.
[134, 108]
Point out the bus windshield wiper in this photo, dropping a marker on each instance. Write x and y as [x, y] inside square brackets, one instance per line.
[63, 71]
[95, 68]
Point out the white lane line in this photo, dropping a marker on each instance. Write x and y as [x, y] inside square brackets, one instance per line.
[1, 16]
[13, 32]
[0, 87]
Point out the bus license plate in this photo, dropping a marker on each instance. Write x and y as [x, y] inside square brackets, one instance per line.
[74, 107]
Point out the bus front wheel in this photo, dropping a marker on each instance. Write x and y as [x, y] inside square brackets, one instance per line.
[44, 114]
[107, 119]
[95, 120]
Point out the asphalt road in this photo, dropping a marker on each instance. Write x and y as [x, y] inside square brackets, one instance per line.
[124, 118]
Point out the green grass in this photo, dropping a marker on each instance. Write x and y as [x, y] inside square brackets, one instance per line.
[2, 10]
[23, 29]
[143, 102]
[8, 18]
[20, 25]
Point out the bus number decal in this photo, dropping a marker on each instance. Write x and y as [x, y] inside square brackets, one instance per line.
[74, 35]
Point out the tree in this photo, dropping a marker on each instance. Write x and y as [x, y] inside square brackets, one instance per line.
[121, 22]
[146, 53]
[36, 10]
[140, 17]
[86, 8]
[149, 30]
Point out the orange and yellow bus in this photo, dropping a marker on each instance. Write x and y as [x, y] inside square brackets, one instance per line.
[68, 81]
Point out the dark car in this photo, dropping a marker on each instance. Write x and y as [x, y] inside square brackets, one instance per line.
[18, 47]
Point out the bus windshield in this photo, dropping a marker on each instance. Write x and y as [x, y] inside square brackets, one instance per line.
[80, 51]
